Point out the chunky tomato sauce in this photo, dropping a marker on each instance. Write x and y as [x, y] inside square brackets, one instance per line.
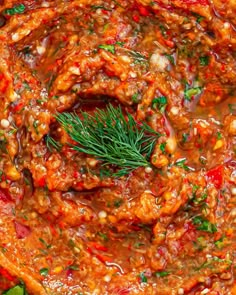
[66, 226]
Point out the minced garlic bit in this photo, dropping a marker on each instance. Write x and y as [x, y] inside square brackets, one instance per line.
[5, 123]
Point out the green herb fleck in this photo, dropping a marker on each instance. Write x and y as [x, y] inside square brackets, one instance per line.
[3, 146]
[44, 271]
[199, 17]
[19, 9]
[202, 160]
[139, 58]
[204, 225]
[135, 98]
[120, 43]
[161, 274]
[35, 125]
[200, 244]
[95, 7]
[118, 203]
[163, 30]
[17, 290]
[51, 143]
[160, 103]
[44, 243]
[143, 278]
[232, 108]
[218, 135]
[108, 47]
[103, 236]
[71, 243]
[162, 147]
[200, 199]
[170, 58]
[73, 267]
[26, 86]
[220, 243]
[181, 163]
[138, 245]
[185, 137]
[189, 93]
[214, 262]
[204, 60]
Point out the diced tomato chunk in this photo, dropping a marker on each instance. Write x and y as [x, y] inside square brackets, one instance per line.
[215, 175]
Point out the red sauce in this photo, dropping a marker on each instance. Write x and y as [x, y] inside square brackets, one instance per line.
[67, 226]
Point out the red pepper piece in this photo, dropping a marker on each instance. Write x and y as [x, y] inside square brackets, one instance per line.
[215, 175]
[201, 2]
[4, 84]
[121, 291]
[98, 246]
[22, 231]
[17, 107]
[111, 41]
[5, 196]
[41, 182]
[103, 258]
[136, 18]
[6, 274]
[143, 10]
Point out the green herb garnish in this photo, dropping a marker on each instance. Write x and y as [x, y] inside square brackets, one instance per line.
[200, 199]
[189, 93]
[232, 108]
[111, 137]
[163, 147]
[73, 267]
[16, 290]
[159, 103]
[170, 58]
[181, 163]
[200, 243]
[36, 125]
[220, 243]
[51, 143]
[48, 246]
[199, 17]
[185, 137]
[204, 225]
[44, 271]
[214, 263]
[118, 203]
[161, 274]
[95, 7]
[19, 9]
[108, 47]
[103, 236]
[138, 57]
[134, 98]
[218, 135]
[204, 60]
[143, 278]
[3, 146]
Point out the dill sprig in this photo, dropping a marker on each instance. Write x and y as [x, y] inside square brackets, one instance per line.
[52, 143]
[111, 137]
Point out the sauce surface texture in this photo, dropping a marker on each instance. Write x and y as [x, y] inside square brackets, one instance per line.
[68, 225]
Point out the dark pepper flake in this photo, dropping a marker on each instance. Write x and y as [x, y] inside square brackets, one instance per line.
[2, 20]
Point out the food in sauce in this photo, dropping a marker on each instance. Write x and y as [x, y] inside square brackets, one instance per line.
[81, 80]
